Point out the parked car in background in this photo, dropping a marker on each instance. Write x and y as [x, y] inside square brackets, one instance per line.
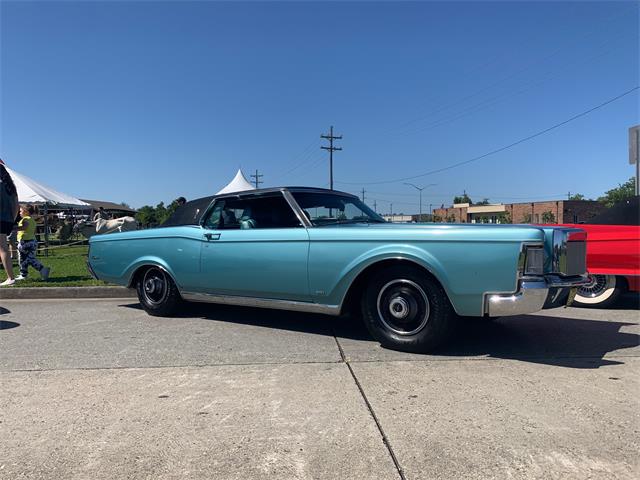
[613, 255]
[316, 250]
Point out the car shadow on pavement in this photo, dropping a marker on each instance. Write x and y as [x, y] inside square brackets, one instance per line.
[560, 341]
[313, 323]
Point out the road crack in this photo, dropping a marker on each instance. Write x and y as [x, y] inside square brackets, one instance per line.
[385, 439]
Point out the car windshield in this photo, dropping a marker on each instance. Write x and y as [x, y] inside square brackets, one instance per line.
[335, 209]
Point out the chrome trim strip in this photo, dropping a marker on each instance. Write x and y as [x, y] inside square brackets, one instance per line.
[262, 303]
[91, 272]
[306, 223]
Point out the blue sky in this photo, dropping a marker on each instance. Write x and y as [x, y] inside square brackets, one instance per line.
[145, 101]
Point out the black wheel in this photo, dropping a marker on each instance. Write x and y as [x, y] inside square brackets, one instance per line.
[601, 291]
[157, 292]
[405, 309]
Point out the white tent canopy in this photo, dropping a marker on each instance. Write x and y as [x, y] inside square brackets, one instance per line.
[30, 191]
[238, 184]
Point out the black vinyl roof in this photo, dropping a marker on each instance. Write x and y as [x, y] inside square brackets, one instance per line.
[191, 212]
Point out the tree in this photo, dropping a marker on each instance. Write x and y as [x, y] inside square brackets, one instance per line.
[161, 213]
[485, 201]
[125, 205]
[173, 206]
[504, 218]
[526, 218]
[147, 216]
[576, 196]
[621, 192]
[462, 199]
[548, 217]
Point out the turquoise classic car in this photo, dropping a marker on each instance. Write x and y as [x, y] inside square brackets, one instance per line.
[317, 250]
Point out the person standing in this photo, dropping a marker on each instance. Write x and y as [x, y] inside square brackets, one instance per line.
[28, 245]
[8, 214]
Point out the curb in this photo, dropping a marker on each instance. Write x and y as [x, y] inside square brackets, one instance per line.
[34, 293]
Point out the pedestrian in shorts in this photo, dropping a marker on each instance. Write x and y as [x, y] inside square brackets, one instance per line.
[27, 245]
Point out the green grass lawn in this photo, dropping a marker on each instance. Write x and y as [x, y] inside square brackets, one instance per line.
[68, 269]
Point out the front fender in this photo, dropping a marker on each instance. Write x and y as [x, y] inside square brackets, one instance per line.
[386, 252]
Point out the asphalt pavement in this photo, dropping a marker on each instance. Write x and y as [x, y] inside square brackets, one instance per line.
[98, 389]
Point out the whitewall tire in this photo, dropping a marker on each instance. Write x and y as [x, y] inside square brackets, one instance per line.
[601, 291]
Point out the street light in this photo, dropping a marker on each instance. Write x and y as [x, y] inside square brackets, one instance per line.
[420, 190]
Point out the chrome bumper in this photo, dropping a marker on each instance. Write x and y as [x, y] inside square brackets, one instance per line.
[530, 297]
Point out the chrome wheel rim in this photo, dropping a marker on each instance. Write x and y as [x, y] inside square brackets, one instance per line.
[403, 307]
[598, 284]
[155, 286]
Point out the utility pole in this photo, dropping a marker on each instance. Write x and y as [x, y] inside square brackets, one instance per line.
[331, 149]
[568, 195]
[257, 178]
[375, 206]
[363, 192]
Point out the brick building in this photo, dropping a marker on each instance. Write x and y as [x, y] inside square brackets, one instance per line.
[555, 211]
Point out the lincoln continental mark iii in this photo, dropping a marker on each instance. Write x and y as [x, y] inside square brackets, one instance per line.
[323, 251]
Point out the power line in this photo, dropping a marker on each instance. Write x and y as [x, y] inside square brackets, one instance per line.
[331, 149]
[447, 105]
[315, 161]
[304, 155]
[501, 149]
[501, 97]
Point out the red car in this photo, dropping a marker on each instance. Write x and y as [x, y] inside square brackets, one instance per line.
[613, 255]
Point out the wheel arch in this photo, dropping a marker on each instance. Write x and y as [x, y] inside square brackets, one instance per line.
[140, 267]
[355, 290]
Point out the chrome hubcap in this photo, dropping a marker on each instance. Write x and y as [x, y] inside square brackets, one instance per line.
[399, 307]
[597, 285]
[403, 307]
[154, 286]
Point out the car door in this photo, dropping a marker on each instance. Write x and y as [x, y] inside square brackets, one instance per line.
[254, 246]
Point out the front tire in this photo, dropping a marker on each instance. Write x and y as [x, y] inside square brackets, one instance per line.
[406, 309]
[602, 291]
[158, 293]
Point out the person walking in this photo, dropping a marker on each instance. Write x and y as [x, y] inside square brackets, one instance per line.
[27, 245]
[8, 214]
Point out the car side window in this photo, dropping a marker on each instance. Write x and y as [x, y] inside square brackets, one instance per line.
[252, 212]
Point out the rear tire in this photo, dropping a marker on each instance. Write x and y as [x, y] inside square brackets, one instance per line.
[405, 309]
[158, 293]
[602, 291]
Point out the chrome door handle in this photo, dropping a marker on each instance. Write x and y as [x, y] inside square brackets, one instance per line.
[212, 236]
